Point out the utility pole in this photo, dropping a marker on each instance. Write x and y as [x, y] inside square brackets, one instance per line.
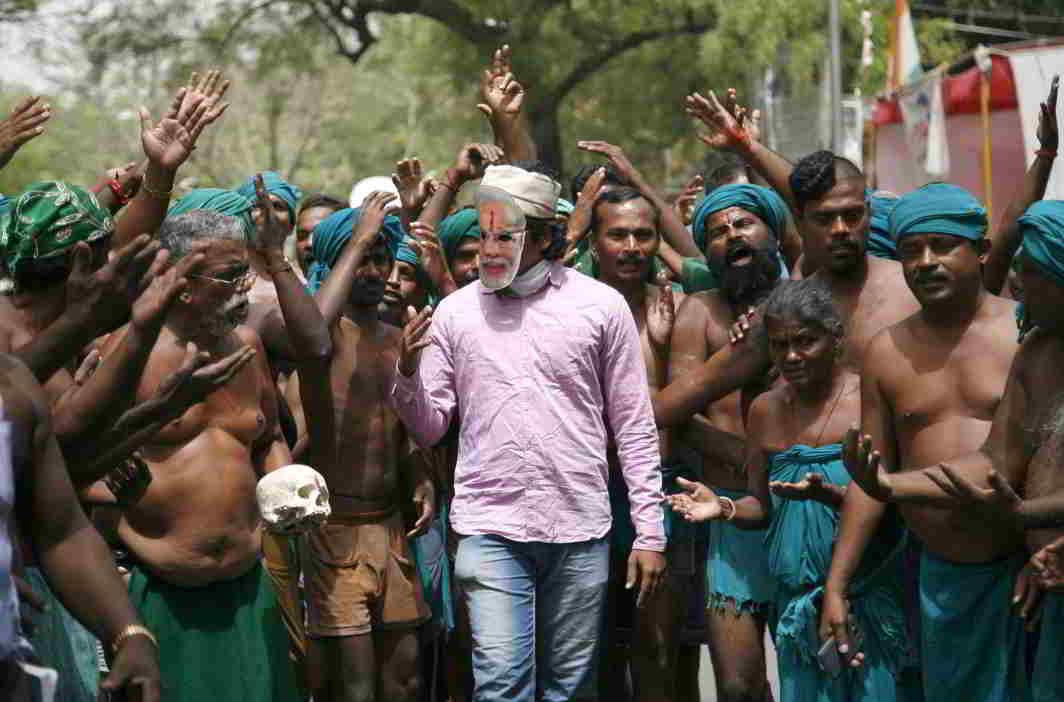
[835, 75]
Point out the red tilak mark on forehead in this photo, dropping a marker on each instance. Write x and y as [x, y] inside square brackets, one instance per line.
[491, 219]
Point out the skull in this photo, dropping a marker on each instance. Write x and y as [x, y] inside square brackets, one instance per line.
[293, 499]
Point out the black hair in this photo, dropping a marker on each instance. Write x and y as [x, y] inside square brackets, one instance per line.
[539, 227]
[321, 200]
[726, 172]
[612, 177]
[818, 173]
[616, 196]
[808, 302]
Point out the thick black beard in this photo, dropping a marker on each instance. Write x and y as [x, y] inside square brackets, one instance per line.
[748, 285]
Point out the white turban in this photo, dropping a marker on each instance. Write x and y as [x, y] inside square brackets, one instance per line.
[535, 194]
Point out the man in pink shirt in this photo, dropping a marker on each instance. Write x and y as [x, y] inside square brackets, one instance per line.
[542, 366]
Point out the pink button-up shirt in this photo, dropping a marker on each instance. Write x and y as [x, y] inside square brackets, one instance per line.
[534, 381]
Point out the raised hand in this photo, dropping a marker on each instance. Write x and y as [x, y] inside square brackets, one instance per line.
[661, 316]
[1047, 123]
[743, 324]
[473, 159]
[102, 299]
[580, 217]
[25, 123]
[169, 143]
[413, 339]
[863, 465]
[697, 503]
[151, 308]
[426, 245]
[414, 189]
[374, 209]
[1048, 563]
[198, 377]
[502, 95]
[615, 155]
[811, 487]
[999, 501]
[726, 131]
[685, 203]
[268, 237]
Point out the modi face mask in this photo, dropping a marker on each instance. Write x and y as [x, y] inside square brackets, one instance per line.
[503, 230]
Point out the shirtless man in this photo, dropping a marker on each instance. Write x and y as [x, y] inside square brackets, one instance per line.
[828, 201]
[624, 241]
[363, 592]
[930, 386]
[1020, 455]
[195, 532]
[741, 224]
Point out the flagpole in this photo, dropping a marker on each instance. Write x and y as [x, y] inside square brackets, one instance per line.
[835, 76]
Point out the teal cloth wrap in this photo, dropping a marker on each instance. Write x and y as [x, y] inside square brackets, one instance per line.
[800, 541]
[939, 208]
[227, 202]
[1042, 227]
[880, 243]
[452, 230]
[1048, 677]
[761, 201]
[697, 276]
[330, 236]
[565, 207]
[973, 645]
[737, 571]
[434, 569]
[275, 185]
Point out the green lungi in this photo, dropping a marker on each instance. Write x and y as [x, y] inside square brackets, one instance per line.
[1048, 679]
[224, 642]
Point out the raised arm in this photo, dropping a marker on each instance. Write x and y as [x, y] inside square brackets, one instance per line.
[728, 131]
[470, 165]
[503, 97]
[167, 145]
[1006, 239]
[335, 291]
[672, 227]
[726, 371]
[26, 122]
[307, 332]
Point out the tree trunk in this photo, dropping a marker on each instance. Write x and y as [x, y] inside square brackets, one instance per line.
[547, 133]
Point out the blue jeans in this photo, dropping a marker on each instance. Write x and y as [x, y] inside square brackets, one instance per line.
[535, 610]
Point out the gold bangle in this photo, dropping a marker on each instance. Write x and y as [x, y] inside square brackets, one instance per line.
[129, 632]
[160, 194]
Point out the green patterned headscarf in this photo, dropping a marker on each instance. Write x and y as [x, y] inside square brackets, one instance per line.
[47, 220]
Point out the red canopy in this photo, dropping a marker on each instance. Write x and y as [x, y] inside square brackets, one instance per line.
[960, 92]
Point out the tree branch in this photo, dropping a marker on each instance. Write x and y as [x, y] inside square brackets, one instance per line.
[593, 62]
[449, 13]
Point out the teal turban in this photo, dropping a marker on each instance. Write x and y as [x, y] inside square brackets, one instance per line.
[460, 225]
[939, 208]
[5, 205]
[565, 207]
[330, 236]
[1042, 227]
[761, 201]
[227, 202]
[880, 243]
[406, 254]
[275, 185]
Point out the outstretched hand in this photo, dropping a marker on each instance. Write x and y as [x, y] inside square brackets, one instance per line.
[414, 189]
[697, 503]
[999, 501]
[685, 203]
[102, 299]
[616, 156]
[25, 123]
[198, 377]
[426, 244]
[811, 487]
[473, 159]
[864, 465]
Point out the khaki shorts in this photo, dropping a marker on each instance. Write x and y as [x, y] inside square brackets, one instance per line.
[359, 575]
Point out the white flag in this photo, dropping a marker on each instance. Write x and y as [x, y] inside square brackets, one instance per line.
[925, 125]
